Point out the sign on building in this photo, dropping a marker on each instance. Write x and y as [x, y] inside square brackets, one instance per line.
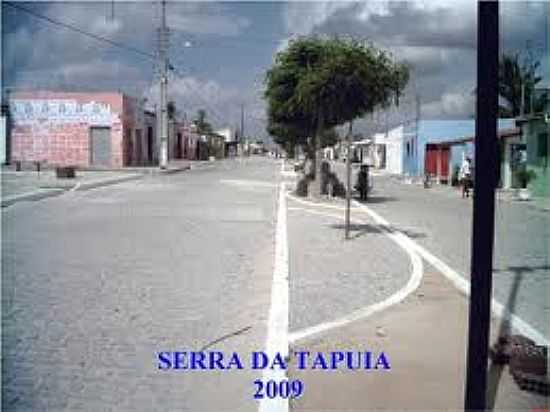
[62, 111]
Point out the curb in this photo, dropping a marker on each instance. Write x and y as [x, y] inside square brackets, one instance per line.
[174, 170]
[105, 182]
[30, 196]
[50, 192]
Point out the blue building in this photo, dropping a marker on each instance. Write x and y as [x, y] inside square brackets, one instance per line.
[413, 138]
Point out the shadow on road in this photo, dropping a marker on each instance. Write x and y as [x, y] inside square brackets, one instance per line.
[377, 199]
[363, 229]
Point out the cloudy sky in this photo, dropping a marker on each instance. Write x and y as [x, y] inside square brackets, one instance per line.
[221, 50]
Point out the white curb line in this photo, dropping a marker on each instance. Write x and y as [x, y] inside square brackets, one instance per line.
[463, 285]
[363, 313]
[277, 331]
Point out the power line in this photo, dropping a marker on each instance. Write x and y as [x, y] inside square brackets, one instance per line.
[80, 31]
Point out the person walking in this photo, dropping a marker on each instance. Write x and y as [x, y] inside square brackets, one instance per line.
[363, 182]
[465, 175]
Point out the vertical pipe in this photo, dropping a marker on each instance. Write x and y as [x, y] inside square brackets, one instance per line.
[348, 180]
[163, 40]
[485, 173]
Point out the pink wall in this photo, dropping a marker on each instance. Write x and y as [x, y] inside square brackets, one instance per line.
[58, 133]
[190, 142]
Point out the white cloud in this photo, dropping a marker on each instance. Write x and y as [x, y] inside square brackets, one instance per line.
[451, 105]
[209, 24]
[301, 18]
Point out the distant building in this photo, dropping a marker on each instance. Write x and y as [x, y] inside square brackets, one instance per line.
[231, 148]
[407, 144]
[104, 130]
[536, 155]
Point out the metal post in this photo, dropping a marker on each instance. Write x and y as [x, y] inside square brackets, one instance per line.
[163, 61]
[486, 147]
[348, 180]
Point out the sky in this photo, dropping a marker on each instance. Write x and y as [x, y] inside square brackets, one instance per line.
[221, 51]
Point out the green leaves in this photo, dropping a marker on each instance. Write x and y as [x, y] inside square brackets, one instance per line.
[200, 121]
[512, 75]
[340, 79]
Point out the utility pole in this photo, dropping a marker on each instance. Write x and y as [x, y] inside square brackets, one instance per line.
[242, 120]
[163, 66]
[417, 129]
[483, 225]
[348, 179]
[245, 141]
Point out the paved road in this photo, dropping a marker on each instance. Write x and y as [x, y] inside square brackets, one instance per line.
[440, 220]
[95, 283]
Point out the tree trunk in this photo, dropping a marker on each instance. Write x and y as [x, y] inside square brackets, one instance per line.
[315, 187]
[348, 180]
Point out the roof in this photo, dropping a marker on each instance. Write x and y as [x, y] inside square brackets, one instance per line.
[502, 134]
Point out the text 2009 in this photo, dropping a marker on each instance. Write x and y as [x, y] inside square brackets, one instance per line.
[278, 389]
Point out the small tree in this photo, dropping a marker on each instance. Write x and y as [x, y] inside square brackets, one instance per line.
[513, 75]
[525, 176]
[171, 110]
[318, 83]
[200, 121]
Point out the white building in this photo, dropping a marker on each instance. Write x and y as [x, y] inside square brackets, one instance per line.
[227, 133]
[394, 150]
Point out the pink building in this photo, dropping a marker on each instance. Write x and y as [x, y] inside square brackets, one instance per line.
[104, 130]
[185, 144]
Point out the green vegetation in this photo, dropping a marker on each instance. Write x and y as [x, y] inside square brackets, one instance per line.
[512, 75]
[319, 83]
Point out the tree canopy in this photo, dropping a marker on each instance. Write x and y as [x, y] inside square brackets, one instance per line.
[318, 83]
[203, 126]
[512, 75]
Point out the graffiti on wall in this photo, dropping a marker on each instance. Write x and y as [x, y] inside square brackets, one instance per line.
[33, 111]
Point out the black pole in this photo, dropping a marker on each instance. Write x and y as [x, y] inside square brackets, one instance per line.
[485, 172]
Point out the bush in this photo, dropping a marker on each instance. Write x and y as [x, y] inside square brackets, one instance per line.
[525, 176]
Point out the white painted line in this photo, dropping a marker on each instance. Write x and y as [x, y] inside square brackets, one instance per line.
[316, 212]
[287, 173]
[459, 281]
[321, 205]
[247, 183]
[411, 286]
[463, 285]
[277, 329]
[75, 187]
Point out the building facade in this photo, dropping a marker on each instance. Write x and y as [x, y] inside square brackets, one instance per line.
[536, 142]
[89, 130]
[407, 144]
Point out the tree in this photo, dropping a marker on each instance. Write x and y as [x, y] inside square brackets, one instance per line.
[203, 126]
[171, 110]
[329, 137]
[318, 83]
[512, 76]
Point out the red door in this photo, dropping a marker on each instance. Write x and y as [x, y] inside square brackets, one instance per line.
[445, 154]
[430, 161]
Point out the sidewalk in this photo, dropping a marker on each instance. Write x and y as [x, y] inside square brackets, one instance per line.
[425, 339]
[424, 336]
[25, 185]
[31, 185]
